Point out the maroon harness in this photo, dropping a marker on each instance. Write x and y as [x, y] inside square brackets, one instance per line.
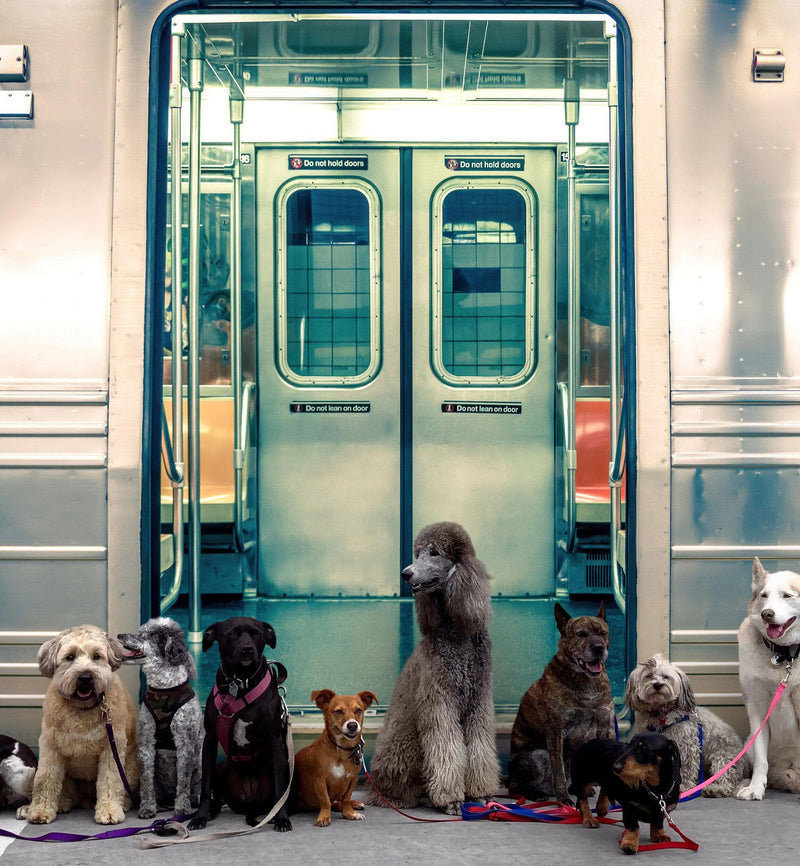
[229, 707]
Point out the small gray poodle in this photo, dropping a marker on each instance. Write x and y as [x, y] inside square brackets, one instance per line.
[169, 727]
[661, 696]
[437, 745]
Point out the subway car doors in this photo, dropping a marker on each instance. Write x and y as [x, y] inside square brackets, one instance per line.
[406, 363]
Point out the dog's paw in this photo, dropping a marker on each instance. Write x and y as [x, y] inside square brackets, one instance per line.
[198, 823]
[22, 812]
[281, 824]
[591, 822]
[354, 816]
[322, 821]
[147, 811]
[453, 808]
[659, 834]
[38, 814]
[109, 813]
[629, 843]
[749, 791]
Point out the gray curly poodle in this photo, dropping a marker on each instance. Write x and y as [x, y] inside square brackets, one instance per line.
[437, 746]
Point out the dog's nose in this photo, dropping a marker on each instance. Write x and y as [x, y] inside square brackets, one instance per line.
[658, 686]
[85, 681]
[408, 572]
[352, 726]
[767, 614]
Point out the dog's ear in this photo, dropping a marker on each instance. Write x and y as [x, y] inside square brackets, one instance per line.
[177, 653]
[209, 636]
[269, 634]
[601, 614]
[322, 698]
[631, 698]
[562, 617]
[686, 700]
[116, 652]
[759, 574]
[48, 653]
[368, 698]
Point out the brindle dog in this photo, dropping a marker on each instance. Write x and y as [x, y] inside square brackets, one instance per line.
[568, 705]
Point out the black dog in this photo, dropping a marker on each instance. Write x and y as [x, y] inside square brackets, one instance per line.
[640, 776]
[17, 769]
[245, 715]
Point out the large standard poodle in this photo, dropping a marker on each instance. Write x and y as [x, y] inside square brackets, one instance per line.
[437, 746]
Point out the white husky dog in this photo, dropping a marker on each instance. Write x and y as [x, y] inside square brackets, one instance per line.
[769, 642]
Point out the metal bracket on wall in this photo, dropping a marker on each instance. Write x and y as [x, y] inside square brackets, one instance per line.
[16, 103]
[13, 62]
[768, 64]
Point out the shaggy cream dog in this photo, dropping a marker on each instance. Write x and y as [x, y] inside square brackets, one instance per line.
[661, 695]
[76, 765]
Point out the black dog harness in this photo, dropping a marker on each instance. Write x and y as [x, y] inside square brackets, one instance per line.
[163, 704]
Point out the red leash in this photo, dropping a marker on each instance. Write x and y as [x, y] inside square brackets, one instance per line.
[400, 811]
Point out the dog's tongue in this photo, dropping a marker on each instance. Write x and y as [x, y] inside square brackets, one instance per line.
[775, 630]
[595, 667]
[83, 694]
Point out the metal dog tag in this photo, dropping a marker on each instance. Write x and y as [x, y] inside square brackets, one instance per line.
[776, 661]
[233, 689]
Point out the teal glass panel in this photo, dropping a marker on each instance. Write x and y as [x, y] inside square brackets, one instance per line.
[484, 279]
[327, 283]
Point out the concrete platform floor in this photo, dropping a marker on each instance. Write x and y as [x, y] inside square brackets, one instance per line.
[728, 832]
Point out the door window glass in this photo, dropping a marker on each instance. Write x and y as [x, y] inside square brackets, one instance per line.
[484, 283]
[328, 284]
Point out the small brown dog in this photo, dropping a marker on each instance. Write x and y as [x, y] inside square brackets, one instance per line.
[568, 705]
[326, 772]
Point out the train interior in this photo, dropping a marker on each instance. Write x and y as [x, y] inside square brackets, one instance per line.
[396, 240]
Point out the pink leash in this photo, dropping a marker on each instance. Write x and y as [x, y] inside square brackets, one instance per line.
[692, 791]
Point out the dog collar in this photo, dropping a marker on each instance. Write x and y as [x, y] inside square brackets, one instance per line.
[781, 654]
[356, 752]
[663, 725]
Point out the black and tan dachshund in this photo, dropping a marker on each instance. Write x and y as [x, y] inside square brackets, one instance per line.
[643, 776]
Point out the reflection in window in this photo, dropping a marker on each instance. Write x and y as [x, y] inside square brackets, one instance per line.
[328, 282]
[483, 286]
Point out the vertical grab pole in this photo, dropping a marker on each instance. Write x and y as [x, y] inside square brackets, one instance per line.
[236, 103]
[195, 89]
[176, 278]
[616, 415]
[572, 106]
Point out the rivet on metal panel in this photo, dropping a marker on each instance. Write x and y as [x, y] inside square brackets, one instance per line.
[768, 64]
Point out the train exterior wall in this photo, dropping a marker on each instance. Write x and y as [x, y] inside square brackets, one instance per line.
[715, 184]
[733, 169]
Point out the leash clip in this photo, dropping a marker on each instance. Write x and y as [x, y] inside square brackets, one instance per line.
[788, 666]
[104, 709]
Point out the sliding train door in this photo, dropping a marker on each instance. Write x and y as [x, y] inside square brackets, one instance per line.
[329, 348]
[483, 344]
[406, 363]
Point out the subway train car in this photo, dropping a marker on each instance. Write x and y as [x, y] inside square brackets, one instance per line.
[284, 282]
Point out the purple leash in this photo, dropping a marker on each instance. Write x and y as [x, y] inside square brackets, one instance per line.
[113, 743]
[158, 827]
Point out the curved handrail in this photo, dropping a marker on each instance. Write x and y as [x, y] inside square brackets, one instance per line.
[240, 465]
[570, 517]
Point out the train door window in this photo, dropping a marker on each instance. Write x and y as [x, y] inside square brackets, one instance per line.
[484, 283]
[593, 258]
[328, 295]
[215, 273]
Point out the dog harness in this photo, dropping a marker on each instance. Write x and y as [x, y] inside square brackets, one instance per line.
[228, 708]
[163, 704]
